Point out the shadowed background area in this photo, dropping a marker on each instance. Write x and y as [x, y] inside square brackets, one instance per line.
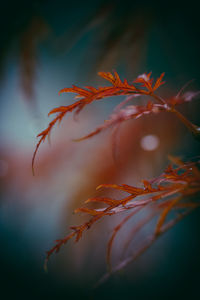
[46, 46]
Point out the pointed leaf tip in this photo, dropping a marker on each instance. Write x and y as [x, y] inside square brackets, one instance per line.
[99, 187]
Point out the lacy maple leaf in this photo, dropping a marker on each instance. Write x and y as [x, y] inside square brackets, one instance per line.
[90, 94]
[173, 189]
[142, 85]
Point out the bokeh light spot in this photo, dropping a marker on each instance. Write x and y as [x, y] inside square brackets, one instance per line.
[149, 142]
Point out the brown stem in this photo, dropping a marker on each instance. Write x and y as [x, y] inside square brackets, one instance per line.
[195, 130]
[192, 127]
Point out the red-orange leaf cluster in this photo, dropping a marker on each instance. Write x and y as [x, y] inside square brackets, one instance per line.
[90, 94]
[146, 87]
[174, 189]
[166, 192]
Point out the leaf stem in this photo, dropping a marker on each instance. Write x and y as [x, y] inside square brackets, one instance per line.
[194, 129]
